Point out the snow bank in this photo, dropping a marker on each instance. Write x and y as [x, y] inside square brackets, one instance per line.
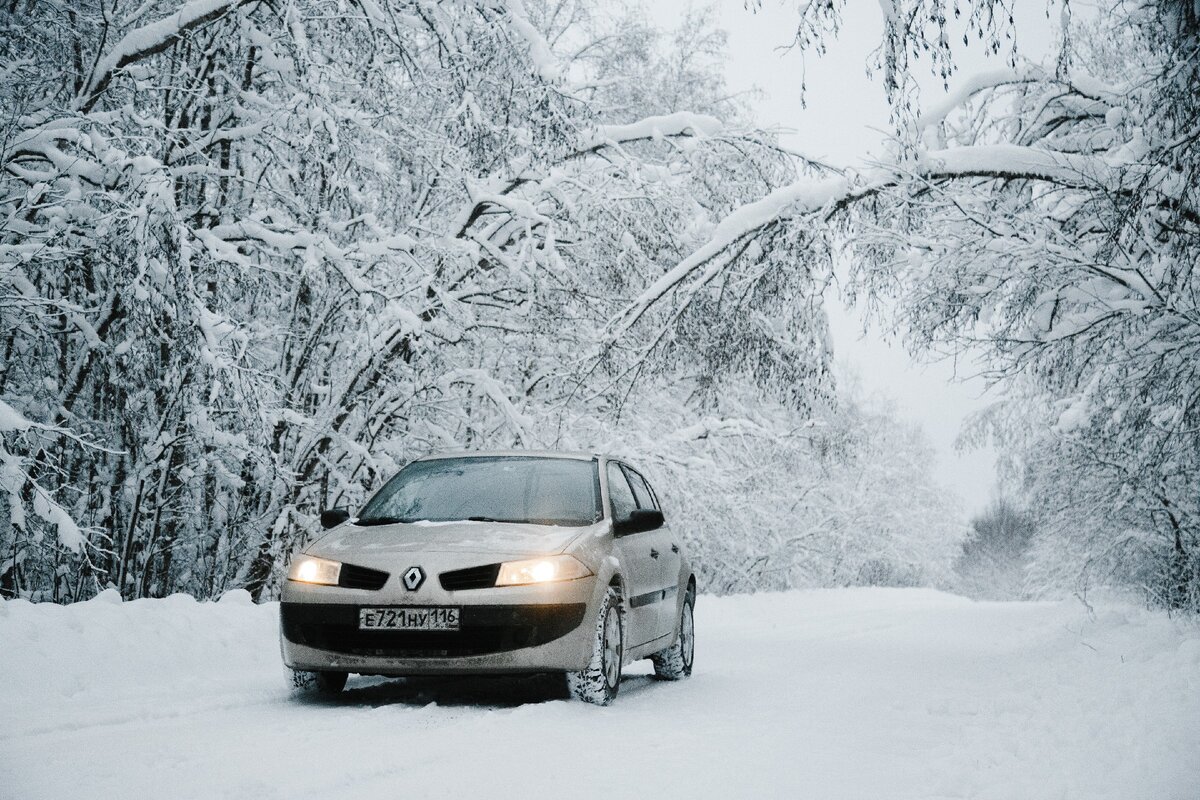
[122, 660]
[828, 694]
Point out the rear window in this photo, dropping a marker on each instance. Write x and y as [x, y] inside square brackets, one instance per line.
[543, 491]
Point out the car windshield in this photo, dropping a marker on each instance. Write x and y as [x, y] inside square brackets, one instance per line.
[543, 491]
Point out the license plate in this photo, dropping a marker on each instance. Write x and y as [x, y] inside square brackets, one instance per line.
[410, 618]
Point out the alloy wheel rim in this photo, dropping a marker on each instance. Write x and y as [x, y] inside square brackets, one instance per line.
[612, 648]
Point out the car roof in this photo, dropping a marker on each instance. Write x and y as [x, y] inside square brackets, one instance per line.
[579, 455]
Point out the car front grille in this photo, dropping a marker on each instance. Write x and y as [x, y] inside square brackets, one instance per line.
[470, 578]
[356, 577]
[485, 629]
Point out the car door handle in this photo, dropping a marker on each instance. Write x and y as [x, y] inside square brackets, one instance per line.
[674, 548]
[653, 553]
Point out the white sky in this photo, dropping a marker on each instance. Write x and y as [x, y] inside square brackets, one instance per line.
[844, 120]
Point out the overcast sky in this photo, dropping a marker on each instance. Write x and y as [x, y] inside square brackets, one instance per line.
[844, 120]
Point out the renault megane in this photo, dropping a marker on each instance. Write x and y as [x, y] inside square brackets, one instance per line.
[494, 563]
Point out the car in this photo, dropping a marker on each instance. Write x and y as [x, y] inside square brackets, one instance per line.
[494, 563]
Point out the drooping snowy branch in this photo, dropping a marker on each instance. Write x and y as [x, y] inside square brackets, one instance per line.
[149, 40]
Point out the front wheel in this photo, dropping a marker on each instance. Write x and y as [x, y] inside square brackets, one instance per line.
[675, 663]
[599, 681]
[322, 684]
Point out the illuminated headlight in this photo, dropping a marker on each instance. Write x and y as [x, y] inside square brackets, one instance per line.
[541, 570]
[308, 569]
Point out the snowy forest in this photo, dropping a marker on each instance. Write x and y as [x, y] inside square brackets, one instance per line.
[256, 255]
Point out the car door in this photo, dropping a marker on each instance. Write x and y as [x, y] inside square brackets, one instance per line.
[641, 570]
[664, 551]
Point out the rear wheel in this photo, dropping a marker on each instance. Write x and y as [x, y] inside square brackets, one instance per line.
[599, 682]
[675, 663]
[322, 684]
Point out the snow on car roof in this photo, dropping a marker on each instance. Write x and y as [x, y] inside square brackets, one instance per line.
[575, 454]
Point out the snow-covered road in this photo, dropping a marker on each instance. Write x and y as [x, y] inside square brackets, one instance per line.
[866, 693]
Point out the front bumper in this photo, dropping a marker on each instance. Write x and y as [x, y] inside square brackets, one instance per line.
[503, 631]
[484, 631]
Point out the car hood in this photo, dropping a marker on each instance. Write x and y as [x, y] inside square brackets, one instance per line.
[447, 537]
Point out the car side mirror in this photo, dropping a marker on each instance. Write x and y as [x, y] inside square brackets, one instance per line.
[642, 519]
[332, 517]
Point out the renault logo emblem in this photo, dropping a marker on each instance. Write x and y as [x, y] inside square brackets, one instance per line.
[413, 578]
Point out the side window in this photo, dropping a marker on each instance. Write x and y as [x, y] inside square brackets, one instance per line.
[641, 490]
[619, 494]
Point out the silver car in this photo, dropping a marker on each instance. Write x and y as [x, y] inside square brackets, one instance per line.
[494, 563]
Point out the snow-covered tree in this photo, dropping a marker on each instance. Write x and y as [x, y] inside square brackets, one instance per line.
[767, 498]
[1045, 217]
[255, 256]
[1067, 258]
[212, 217]
[995, 558]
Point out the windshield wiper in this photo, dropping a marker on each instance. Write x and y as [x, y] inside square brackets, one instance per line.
[490, 519]
[383, 520]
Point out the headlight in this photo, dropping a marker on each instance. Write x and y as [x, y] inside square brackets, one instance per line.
[309, 569]
[541, 570]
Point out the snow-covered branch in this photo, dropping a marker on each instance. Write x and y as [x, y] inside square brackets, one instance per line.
[149, 40]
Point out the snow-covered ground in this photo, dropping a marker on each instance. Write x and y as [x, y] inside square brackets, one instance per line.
[868, 693]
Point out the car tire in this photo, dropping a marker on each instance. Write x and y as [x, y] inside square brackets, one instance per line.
[599, 682]
[675, 663]
[322, 684]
